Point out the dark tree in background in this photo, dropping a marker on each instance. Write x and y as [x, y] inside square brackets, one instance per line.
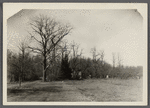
[65, 69]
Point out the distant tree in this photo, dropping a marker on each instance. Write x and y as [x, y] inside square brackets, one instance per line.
[98, 62]
[64, 48]
[10, 76]
[15, 66]
[65, 69]
[22, 47]
[101, 59]
[20, 65]
[76, 54]
[16, 62]
[86, 67]
[119, 61]
[47, 33]
[37, 61]
[114, 60]
[107, 68]
[94, 54]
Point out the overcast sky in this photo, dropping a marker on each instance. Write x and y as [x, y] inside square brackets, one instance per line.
[118, 31]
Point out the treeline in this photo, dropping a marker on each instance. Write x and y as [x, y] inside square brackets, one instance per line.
[49, 57]
[27, 68]
[127, 72]
[31, 68]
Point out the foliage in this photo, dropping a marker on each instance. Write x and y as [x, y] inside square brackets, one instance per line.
[14, 67]
[65, 69]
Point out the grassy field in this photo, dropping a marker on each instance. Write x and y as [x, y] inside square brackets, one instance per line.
[110, 89]
[100, 90]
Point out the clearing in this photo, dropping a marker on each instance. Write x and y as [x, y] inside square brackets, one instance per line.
[99, 90]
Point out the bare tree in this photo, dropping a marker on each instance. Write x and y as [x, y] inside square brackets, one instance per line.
[98, 60]
[75, 54]
[22, 47]
[64, 47]
[47, 33]
[17, 61]
[102, 55]
[9, 62]
[119, 60]
[93, 51]
[114, 60]
[98, 55]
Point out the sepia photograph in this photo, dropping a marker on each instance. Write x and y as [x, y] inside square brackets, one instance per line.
[75, 54]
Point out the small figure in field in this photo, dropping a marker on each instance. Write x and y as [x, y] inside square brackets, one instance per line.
[89, 76]
[107, 76]
[80, 74]
[137, 77]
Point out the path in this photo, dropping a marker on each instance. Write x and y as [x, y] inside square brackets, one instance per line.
[45, 91]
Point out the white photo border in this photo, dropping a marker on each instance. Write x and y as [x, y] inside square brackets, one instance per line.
[141, 7]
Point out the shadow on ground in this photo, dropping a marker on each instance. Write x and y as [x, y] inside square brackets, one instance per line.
[33, 90]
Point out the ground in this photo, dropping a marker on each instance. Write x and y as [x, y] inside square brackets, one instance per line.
[99, 90]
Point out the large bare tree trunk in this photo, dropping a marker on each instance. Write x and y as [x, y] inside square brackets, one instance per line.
[47, 33]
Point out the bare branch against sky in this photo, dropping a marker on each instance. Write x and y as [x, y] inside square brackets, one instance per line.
[117, 30]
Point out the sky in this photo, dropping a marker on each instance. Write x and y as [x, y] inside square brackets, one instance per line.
[112, 30]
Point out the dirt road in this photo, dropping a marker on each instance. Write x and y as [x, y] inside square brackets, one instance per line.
[45, 91]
